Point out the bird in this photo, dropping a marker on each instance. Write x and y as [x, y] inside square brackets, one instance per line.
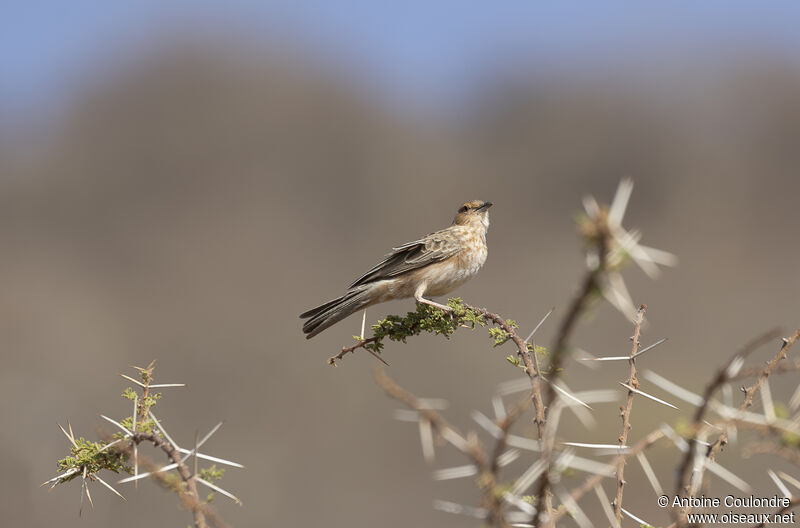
[433, 265]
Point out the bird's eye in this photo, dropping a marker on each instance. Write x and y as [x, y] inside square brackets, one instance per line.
[463, 209]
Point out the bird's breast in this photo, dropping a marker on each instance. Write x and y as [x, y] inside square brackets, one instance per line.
[443, 277]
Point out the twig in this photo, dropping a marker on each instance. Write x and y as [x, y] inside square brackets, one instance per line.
[590, 284]
[505, 425]
[531, 367]
[592, 481]
[361, 344]
[778, 427]
[147, 377]
[469, 444]
[626, 413]
[769, 448]
[92, 457]
[751, 391]
[723, 376]
[755, 370]
[187, 492]
[186, 476]
[722, 440]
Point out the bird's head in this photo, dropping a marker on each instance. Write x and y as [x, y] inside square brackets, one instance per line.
[475, 213]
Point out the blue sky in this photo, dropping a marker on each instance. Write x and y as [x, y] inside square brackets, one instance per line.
[420, 49]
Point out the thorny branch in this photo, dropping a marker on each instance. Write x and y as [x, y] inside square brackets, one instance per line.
[469, 444]
[599, 236]
[591, 482]
[590, 285]
[531, 367]
[458, 318]
[751, 391]
[147, 376]
[755, 370]
[476, 452]
[686, 477]
[505, 425]
[171, 451]
[608, 247]
[190, 497]
[723, 375]
[362, 343]
[114, 453]
[770, 448]
[626, 413]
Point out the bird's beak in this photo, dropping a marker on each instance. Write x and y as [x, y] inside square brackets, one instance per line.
[485, 206]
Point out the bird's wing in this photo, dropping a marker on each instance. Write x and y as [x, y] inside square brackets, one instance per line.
[435, 247]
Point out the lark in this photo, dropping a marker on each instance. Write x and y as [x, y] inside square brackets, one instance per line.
[434, 265]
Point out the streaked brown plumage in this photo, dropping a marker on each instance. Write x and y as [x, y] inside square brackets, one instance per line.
[435, 264]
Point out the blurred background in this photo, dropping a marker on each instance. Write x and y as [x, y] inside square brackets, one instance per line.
[179, 180]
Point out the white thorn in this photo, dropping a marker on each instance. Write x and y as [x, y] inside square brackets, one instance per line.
[139, 383]
[106, 484]
[780, 484]
[218, 489]
[455, 472]
[620, 202]
[426, 440]
[69, 437]
[125, 429]
[642, 393]
[541, 322]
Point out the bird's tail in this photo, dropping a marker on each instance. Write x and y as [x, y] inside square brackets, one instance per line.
[334, 311]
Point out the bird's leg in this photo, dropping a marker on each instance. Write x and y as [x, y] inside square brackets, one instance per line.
[422, 300]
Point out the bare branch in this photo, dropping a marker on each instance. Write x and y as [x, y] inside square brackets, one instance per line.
[531, 366]
[751, 391]
[186, 488]
[685, 475]
[468, 444]
[633, 385]
[594, 480]
[770, 448]
[599, 235]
